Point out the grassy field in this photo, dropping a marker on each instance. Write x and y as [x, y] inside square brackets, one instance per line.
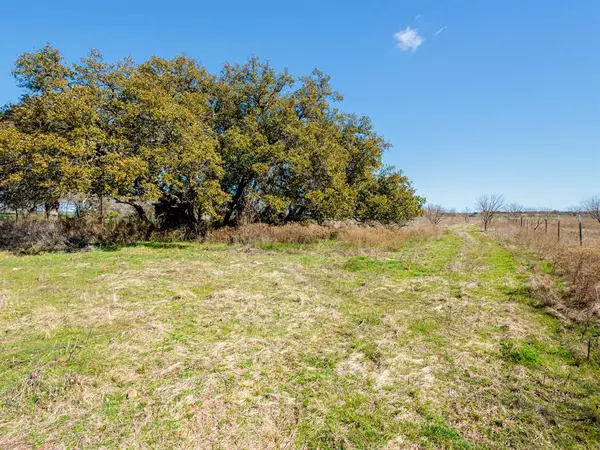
[433, 344]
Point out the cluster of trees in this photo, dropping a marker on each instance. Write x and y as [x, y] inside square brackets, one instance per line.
[490, 206]
[247, 144]
[487, 206]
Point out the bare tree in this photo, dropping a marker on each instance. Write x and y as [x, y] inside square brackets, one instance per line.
[547, 214]
[540, 217]
[574, 210]
[489, 206]
[434, 213]
[514, 211]
[592, 207]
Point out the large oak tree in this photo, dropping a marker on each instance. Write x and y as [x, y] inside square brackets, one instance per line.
[247, 144]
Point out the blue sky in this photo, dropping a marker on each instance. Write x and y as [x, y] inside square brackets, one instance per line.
[475, 96]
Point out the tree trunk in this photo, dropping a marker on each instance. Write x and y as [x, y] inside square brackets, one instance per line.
[295, 214]
[101, 210]
[48, 207]
[139, 209]
[231, 207]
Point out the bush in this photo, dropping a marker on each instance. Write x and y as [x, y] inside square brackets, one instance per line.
[31, 237]
[581, 268]
[67, 235]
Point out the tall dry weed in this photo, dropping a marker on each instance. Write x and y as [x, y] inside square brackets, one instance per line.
[262, 233]
[578, 265]
[390, 238]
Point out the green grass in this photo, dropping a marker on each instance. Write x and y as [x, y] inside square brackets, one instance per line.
[330, 345]
[520, 353]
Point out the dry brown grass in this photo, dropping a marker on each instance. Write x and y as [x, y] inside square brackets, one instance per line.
[582, 269]
[388, 237]
[259, 232]
[578, 265]
[38, 236]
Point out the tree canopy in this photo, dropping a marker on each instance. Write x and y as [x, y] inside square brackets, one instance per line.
[247, 144]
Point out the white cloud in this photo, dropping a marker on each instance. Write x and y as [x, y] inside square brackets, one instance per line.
[408, 39]
[440, 30]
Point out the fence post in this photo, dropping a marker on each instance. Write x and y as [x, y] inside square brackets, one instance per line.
[558, 228]
[580, 231]
[546, 226]
[521, 221]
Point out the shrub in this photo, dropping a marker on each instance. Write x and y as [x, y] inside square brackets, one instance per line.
[67, 235]
[31, 237]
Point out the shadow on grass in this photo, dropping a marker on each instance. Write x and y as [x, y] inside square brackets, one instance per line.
[146, 244]
[179, 245]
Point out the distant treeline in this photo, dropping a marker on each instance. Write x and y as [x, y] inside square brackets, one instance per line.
[247, 144]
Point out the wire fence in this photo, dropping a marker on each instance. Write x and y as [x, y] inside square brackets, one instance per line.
[568, 230]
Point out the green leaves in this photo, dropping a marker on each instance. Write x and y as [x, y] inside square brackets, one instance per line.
[389, 198]
[42, 71]
[250, 143]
